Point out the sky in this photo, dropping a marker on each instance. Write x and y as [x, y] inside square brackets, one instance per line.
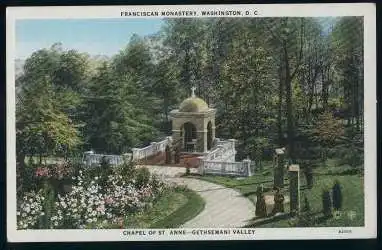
[94, 36]
[97, 36]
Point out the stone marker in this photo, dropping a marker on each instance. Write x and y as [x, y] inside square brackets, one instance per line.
[294, 188]
[247, 167]
[279, 168]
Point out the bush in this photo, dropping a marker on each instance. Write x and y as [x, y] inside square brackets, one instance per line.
[309, 177]
[337, 196]
[91, 205]
[30, 210]
[326, 203]
[142, 177]
[305, 218]
[127, 170]
[26, 179]
[349, 155]
[49, 193]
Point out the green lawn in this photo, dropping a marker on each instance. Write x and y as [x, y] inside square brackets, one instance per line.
[170, 211]
[352, 190]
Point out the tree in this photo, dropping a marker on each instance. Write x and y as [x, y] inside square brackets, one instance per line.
[115, 120]
[328, 131]
[42, 128]
[288, 35]
[347, 39]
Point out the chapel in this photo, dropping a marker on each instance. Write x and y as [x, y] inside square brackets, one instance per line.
[193, 125]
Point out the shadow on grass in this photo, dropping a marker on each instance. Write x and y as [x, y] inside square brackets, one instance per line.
[195, 205]
[322, 219]
[255, 222]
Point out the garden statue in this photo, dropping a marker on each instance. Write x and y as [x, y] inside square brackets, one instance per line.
[337, 196]
[177, 155]
[279, 202]
[168, 155]
[326, 203]
[261, 208]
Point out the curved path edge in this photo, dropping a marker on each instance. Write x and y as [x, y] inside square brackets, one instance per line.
[224, 207]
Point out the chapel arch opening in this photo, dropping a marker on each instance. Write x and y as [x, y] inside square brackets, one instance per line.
[189, 136]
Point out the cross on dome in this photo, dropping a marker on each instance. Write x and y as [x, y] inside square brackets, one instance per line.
[193, 91]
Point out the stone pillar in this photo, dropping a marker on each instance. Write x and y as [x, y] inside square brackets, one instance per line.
[294, 188]
[155, 150]
[247, 166]
[201, 165]
[201, 144]
[213, 129]
[176, 137]
[279, 168]
[135, 155]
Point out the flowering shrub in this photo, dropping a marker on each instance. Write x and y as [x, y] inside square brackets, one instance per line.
[96, 199]
[57, 171]
[43, 172]
[30, 210]
[100, 204]
[62, 171]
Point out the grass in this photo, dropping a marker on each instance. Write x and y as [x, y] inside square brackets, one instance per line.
[171, 210]
[352, 192]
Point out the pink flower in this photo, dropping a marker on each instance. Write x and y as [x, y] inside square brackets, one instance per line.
[43, 172]
[109, 200]
[100, 208]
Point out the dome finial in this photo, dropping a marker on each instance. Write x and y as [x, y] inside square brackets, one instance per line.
[193, 91]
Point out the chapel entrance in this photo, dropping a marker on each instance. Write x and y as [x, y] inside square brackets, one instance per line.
[189, 139]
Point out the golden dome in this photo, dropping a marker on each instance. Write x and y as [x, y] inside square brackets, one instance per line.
[193, 104]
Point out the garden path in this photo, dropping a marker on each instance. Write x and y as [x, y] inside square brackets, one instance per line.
[225, 207]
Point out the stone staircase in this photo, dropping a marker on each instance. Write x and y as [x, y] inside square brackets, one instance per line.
[160, 159]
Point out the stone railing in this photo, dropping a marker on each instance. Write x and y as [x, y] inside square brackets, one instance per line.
[89, 159]
[221, 161]
[223, 151]
[225, 168]
[151, 150]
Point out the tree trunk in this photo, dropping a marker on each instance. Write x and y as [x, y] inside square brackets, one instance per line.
[288, 92]
[279, 115]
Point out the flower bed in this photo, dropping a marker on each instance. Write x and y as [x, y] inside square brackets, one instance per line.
[101, 200]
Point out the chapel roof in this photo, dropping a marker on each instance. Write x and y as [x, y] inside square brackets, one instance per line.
[193, 104]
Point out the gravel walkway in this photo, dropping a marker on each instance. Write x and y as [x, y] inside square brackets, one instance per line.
[225, 207]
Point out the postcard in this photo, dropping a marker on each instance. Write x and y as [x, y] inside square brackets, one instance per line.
[191, 122]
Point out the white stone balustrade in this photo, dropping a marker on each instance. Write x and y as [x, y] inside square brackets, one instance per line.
[221, 161]
[225, 168]
[153, 149]
[89, 159]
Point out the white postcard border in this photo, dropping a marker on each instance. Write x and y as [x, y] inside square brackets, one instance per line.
[264, 10]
